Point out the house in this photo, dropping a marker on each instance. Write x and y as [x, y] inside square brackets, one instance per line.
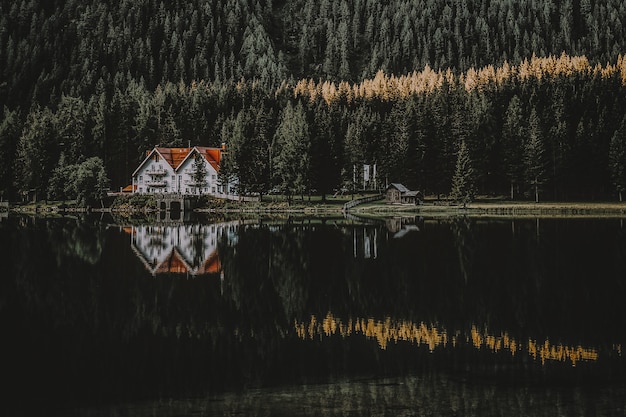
[398, 194]
[192, 170]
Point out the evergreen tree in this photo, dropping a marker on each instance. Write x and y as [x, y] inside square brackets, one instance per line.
[291, 151]
[248, 139]
[71, 126]
[9, 135]
[87, 182]
[513, 134]
[463, 187]
[198, 172]
[262, 141]
[326, 149]
[60, 180]
[37, 152]
[617, 159]
[534, 155]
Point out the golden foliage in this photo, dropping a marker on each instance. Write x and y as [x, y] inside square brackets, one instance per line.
[390, 87]
[392, 331]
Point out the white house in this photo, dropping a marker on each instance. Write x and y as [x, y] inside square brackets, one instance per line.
[178, 170]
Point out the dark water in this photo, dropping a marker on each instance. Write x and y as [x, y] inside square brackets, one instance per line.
[310, 316]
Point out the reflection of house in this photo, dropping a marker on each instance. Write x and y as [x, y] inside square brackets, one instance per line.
[400, 226]
[182, 171]
[179, 249]
[398, 194]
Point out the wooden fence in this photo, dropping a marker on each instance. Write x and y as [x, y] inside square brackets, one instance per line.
[363, 200]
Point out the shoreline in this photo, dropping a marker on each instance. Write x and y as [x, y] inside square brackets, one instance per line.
[373, 209]
[502, 209]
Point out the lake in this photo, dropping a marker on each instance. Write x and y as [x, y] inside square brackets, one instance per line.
[313, 316]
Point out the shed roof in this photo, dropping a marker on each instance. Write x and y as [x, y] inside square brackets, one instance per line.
[411, 194]
[398, 187]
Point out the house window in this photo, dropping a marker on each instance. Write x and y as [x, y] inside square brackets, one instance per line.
[141, 179]
[213, 190]
[213, 177]
[156, 157]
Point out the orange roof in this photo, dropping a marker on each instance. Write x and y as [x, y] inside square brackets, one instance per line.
[173, 156]
[211, 265]
[173, 264]
[129, 189]
[176, 156]
[212, 155]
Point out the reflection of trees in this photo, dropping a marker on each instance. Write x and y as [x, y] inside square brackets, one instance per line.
[104, 304]
[290, 265]
[286, 272]
[76, 238]
[388, 332]
[269, 270]
[465, 245]
[198, 246]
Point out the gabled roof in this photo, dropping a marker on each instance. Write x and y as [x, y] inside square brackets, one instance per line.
[398, 187]
[412, 193]
[211, 155]
[212, 265]
[175, 157]
[174, 264]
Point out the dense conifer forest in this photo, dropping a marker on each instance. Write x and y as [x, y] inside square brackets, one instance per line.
[523, 98]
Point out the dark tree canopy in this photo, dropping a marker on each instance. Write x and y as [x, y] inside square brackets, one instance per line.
[398, 84]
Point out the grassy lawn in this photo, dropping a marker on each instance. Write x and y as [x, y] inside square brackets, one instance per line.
[494, 206]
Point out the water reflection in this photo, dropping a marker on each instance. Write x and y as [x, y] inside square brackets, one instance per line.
[470, 297]
[190, 249]
[393, 331]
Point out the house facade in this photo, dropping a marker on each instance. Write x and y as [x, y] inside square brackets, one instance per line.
[190, 171]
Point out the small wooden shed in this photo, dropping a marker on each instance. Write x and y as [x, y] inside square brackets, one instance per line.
[397, 193]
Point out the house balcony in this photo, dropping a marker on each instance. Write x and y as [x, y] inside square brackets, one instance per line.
[194, 183]
[156, 172]
[157, 183]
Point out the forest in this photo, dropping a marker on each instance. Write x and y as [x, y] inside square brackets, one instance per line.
[456, 98]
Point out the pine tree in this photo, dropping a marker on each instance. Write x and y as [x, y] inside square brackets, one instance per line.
[512, 140]
[326, 149]
[617, 159]
[463, 187]
[291, 151]
[199, 172]
[534, 155]
[9, 135]
[37, 152]
[87, 182]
